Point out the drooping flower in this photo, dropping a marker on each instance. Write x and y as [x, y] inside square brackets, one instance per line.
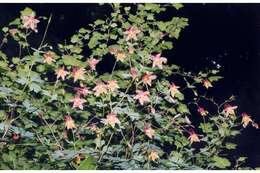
[174, 89]
[120, 56]
[246, 119]
[134, 72]
[153, 155]
[78, 102]
[229, 110]
[78, 73]
[92, 62]
[100, 88]
[255, 125]
[15, 136]
[131, 33]
[147, 78]
[158, 61]
[112, 119]
[61, 73]
[149, 131]
[69, 122]
[48, 57]
[82, 91]
[142, 96]
[29, 22]
[193, 137]
[112, 85]
[207, 84]
[202, 111]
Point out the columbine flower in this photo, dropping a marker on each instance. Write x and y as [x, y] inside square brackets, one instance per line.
[153, 155]
[69, 123]
[149, 132]
[142, 96]
[15, 136]
[202, 111]
[132, 33]
[100, 88]
[78, 73]
[246, 119]
[193, 137]
[229, 110]
[61, 73]
[82, 91]
[112, 85]
[92, 62]
[255, 125]
[78, 102]
[147, 78]
[158, 61]
[48, 57]
[29, 22]
[120, 56]
[134, 72]
[207, 84]
[112, 119]
[174, 89]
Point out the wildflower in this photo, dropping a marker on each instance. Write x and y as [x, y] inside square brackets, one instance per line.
[255, 125]
[246, 119]
[149, 132]
[131, 50]
[112, 119]
[229, 110]
[134, 72]
[112, 85]
[174, 89]
[78, 102]
[15, 136]
[142, 96]
[120, 56]
[207, 84]
[29, 22]
[202, 111]
[61, 73]
[100, 88]
[48, 57]
[112, 50]
[158, 61]
[193, 137]
[69, 123]
[147, 78]
[131, 33]
[78, 73]
[153, 155]
[82, 91]
[92, 62]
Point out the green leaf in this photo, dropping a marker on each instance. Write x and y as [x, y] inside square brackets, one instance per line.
[182, 108]
[214, 78]
[221, 162]
[27, 11]
[88, 164]
[72, 61]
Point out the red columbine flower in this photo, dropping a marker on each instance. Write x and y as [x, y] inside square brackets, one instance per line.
[174, 89]
[82, 91]
[202, 111]
[112, 85]
[153, 155]
[100, 88]
[78, 73]
[134, 72]
[147, 78]
[69, 123]
[92, 62]
[78, 102]
[29, 22]
[15, 136]
[142, 96]
[193, 137]
[207, 84]
[61, 73]
[158, 61]
[48, 57]
[112, 119]
[229, 110]
[132, 33]
[149, 131]
[246, 119]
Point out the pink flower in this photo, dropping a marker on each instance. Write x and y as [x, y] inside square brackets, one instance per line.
[112, 85]
[142, 96]
[92, 62]
[78, 102]
[134, 72]
[82, 91]
[229, 110]
[29, 22]
[193, 137]
[131, 33]
[112, 119]
[202, 111]
[158, 61]
[147, 78]
[154, 156]
[207, 84]
[78, 73]
[69, 123]
[174, 89]
[61, 73]
[120, 56]
[48, 57]
[100, 88]
[149, 131]
[246, 119]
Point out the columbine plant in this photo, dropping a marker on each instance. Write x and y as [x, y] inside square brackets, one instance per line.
[58, 111]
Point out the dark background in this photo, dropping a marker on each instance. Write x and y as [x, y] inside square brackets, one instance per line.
[228, 34]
